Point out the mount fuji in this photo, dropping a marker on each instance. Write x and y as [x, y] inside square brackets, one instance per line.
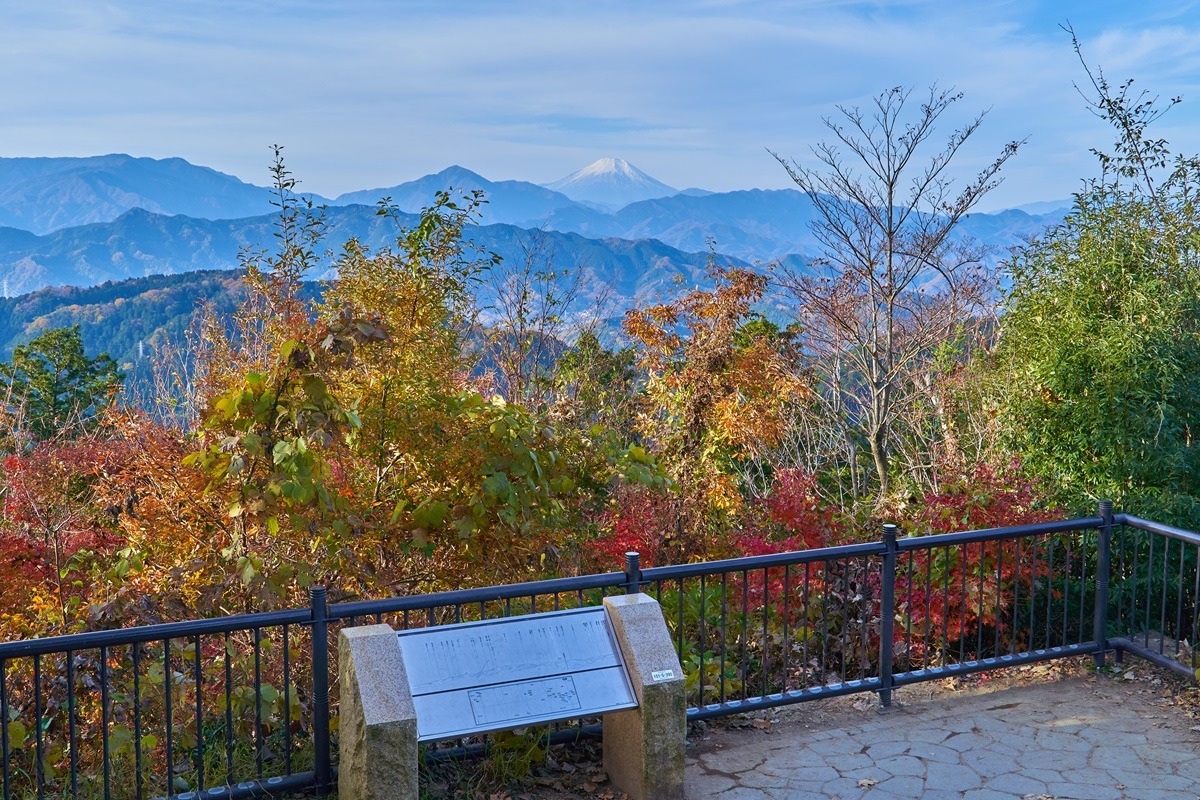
[611, 183]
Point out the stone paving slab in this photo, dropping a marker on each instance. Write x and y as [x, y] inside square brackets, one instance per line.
[1080, 737]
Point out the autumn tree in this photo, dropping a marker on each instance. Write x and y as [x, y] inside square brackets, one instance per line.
[532, 311]
[712, 396]
[893, 282]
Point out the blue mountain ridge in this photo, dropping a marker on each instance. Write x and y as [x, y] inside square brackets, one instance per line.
[140, 242]
[167, 215]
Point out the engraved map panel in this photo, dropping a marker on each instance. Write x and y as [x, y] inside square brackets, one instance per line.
[514, 702]
[464, 656]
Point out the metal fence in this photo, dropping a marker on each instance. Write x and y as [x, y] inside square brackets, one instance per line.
[243, 706]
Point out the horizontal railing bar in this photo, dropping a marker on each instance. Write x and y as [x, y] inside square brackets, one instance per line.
[512, 591]
[996, 662]
[1135, 649]
[784, 698]
[1161, 529]
[566, 736]
[750, 563]
[267, 787]
[151, 633]
[994, 534]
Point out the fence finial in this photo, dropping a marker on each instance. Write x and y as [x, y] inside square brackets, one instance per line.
[633, 572]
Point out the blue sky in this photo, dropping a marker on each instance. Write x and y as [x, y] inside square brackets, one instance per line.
[366, 94]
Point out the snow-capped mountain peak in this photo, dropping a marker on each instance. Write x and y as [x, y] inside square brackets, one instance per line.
[611, 182]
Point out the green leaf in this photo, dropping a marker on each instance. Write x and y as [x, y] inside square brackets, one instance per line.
[16, 734]
[431, 514]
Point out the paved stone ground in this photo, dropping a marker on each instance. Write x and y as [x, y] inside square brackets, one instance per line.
[1066, 733]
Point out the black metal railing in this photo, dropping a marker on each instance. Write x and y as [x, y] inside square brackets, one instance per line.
[1153, 611]
[241, 706]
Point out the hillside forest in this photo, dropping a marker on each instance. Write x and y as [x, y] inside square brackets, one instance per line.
[433, 418]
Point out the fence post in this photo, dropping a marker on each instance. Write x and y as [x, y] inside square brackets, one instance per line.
[887, 615]
[633, 573]
[322, 772]
[1103, 566]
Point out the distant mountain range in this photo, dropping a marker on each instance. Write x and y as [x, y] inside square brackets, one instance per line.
[47, 194]
[141, 243]
[83, 221]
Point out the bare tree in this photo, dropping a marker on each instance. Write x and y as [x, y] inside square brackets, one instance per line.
[537, 309]
[892, 282]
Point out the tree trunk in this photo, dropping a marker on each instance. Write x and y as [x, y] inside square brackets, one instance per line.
[880, 455]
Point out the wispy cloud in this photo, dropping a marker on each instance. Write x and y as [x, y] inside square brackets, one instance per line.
[371, 92]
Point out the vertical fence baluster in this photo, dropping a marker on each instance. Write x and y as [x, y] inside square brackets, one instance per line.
[1179, 592]
[1192, 636]
[745, 617]
[4, 755]
[1049, 589]
[787, 649]
[1149, 591]
[1103, 567]
[702, 635]
[766, 601]
[928, 607]
[37, 726]
[679, 627]
[287, 704]
[962, 602]
[999, 597]
[908, 609]
[169, 743]
[137, 721]
[946, 605]
[1162, 603]
[979, 613]
[824, 621]
[1123, 627]
[199, 679]
[807, 618]
[1034, 547]
[71, 732]
[887, 615]
[1067, 590]
[258, 722]
[633, 574]
[847, 596]
[1012, 645]
[107, 755]
[724, 638]
[228, 710]
[322, 770]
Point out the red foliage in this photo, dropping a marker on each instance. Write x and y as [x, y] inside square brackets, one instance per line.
[795, 506]
[50, 526]
[954, 594]
[638, 520]
[985, 499]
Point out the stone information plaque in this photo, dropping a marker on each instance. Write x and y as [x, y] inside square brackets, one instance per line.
[477, 677]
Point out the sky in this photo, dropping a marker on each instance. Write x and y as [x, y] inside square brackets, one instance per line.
[370, 93]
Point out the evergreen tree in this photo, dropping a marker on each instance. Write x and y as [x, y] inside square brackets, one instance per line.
[51, 387]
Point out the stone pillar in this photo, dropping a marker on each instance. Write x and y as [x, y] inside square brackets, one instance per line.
[377, 741]
[644, 746]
